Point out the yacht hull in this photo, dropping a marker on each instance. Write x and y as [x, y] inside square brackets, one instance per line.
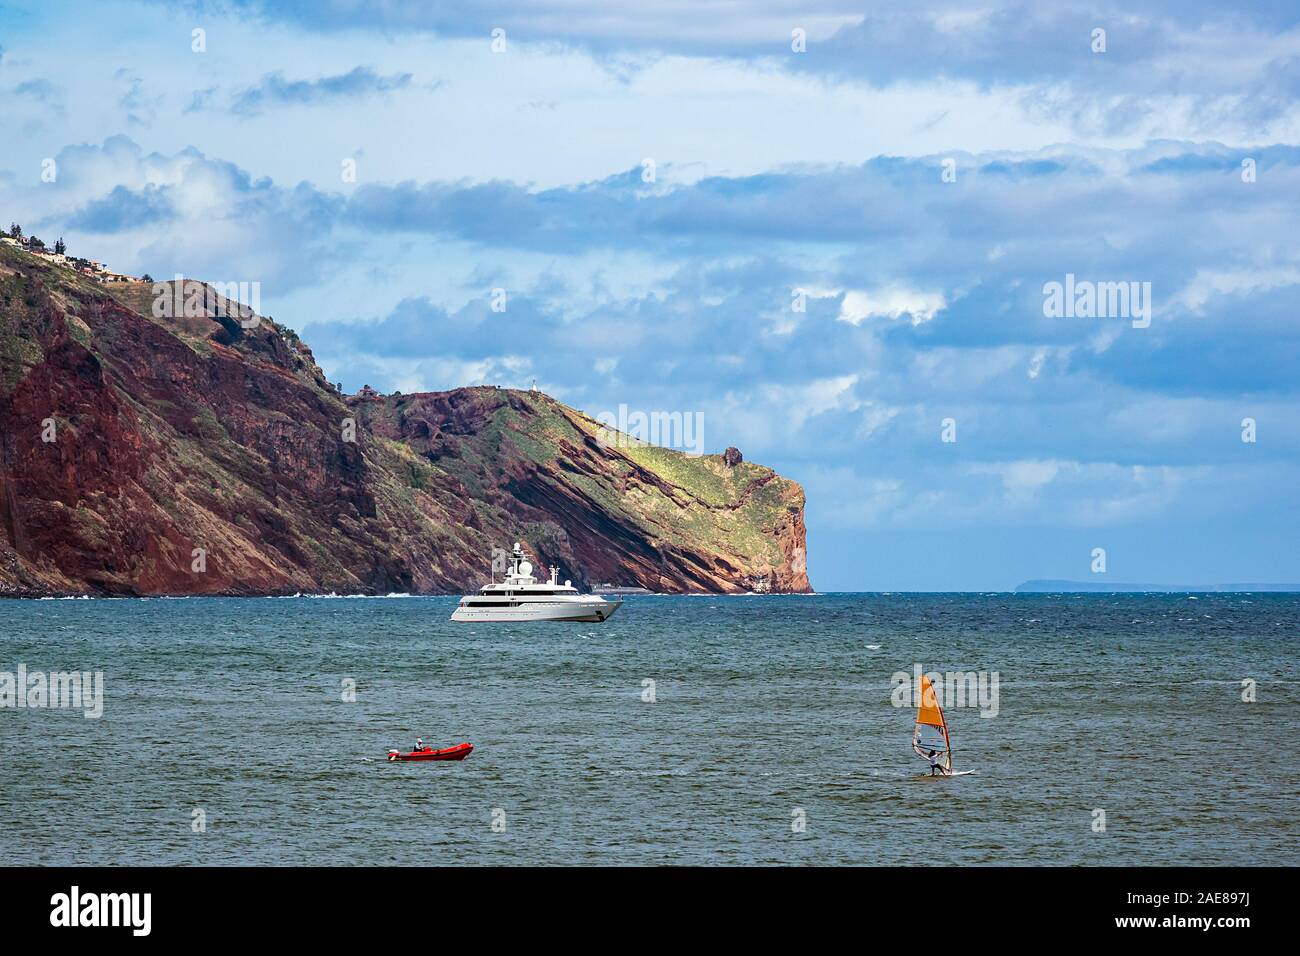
[587, 612]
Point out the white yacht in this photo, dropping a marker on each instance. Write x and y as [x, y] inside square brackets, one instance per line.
[520, 598]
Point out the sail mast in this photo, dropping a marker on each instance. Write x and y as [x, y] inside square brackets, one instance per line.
[946, 739]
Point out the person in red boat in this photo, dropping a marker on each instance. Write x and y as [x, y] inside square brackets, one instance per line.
[419, 744]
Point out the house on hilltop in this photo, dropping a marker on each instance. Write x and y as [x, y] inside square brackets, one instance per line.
[58, 256]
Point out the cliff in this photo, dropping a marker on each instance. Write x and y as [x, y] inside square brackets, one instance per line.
[207, 454]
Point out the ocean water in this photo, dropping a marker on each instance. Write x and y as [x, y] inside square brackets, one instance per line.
[772, 737]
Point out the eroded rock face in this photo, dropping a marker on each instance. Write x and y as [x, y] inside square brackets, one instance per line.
[141, 455]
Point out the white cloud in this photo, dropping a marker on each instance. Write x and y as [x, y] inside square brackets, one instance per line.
[1208, 283]
[890, 302]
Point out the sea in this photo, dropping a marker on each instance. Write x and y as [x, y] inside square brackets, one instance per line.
[749, 730]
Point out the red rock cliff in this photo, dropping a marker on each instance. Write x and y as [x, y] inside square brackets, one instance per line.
[143, 455]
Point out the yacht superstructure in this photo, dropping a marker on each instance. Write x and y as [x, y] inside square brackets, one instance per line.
[521, 598]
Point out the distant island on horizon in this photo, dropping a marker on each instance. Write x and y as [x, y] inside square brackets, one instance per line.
[1119, 587]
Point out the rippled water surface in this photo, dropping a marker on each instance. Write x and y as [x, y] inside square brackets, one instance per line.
[768, 710]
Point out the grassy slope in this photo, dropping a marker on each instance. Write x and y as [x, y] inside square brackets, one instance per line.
[706, 504]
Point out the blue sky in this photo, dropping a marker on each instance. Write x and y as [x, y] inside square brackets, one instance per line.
[655, 189]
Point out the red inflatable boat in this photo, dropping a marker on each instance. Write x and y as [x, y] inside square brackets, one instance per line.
[458, 752]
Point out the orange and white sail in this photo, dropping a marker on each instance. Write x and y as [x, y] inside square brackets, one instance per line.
[931, 732]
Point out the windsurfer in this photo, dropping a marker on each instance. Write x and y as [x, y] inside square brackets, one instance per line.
[936, 768]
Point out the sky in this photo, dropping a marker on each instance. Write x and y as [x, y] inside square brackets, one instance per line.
[831, 230]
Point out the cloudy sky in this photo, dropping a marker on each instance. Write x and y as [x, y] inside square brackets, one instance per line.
[825, 226]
